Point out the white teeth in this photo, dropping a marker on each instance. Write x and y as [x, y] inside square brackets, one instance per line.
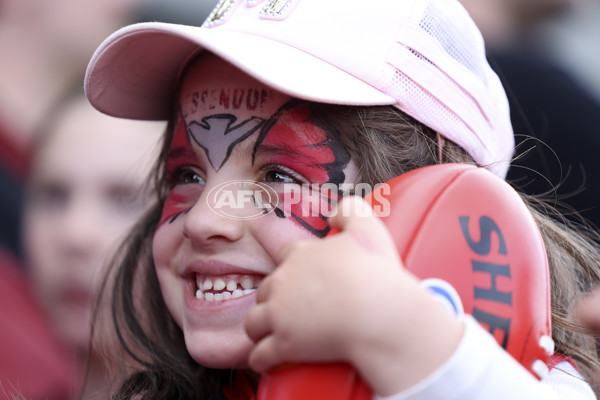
[247, 283]
[219, 284]
[226, 290]
[231, 286]
[222, 296]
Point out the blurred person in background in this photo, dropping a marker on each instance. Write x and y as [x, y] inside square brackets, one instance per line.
[572, 40]
[191, 12]
[45, 46]
[504, 23]
[555, 114]
[79, 204]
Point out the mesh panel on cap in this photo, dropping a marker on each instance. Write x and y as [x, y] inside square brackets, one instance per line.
[417, 102]
[439, 75]
[425, 59]
[437, 25]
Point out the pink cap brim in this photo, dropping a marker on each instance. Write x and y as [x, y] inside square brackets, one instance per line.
[134, 73]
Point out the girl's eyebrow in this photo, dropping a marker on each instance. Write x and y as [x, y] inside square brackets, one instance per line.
[296, 152]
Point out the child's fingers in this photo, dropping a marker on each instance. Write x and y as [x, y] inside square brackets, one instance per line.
[290, 321]
[264, 290]
[257, 323]
[292, 247]
[346, 211]
[356, 217]
[265, 355]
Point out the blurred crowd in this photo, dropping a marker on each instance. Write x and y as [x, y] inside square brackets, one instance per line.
[64, 204]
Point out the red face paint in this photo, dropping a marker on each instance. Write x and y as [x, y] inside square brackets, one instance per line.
[180, 154]
[299, 144]
[289, 139]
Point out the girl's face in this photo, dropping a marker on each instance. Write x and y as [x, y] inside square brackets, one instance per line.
[239, 156]
[85, 191]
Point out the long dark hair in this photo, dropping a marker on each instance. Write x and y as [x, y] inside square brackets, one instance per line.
[384, 142]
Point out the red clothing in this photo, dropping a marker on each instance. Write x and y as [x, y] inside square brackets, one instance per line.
[13, 166]
[240, 388]
[557, 358]
[32, 363]
[13, 157]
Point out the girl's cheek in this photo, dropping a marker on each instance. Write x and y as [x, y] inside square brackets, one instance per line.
[160, 246]
[179, 201]
[274, 232]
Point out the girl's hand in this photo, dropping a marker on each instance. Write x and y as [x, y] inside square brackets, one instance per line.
[348, 298]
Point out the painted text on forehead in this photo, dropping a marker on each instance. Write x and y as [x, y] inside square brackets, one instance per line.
[210, 86]
[226, 99]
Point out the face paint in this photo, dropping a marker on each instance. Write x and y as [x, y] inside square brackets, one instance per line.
[218, 135]
[180, 154]
[298, 144]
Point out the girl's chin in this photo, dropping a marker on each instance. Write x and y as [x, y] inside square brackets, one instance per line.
[220, 356]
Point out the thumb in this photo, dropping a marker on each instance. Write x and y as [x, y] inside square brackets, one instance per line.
[356, 217]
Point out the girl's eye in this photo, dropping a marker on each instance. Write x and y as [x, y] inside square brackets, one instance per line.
[126, 197]
[279, 174]
[186, 176]
[51, 196]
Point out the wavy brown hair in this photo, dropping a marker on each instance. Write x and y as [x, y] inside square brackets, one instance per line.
[384, 143]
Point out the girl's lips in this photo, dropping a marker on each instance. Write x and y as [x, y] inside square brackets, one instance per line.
[217, 268]
[76, 296]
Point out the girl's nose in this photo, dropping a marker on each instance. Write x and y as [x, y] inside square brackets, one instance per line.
[209, 221]
[79, 230]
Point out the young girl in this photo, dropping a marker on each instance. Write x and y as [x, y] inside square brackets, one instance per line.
[267, 97]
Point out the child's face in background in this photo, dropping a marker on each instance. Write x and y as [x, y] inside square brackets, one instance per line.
[84, 194]
[230, 208]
